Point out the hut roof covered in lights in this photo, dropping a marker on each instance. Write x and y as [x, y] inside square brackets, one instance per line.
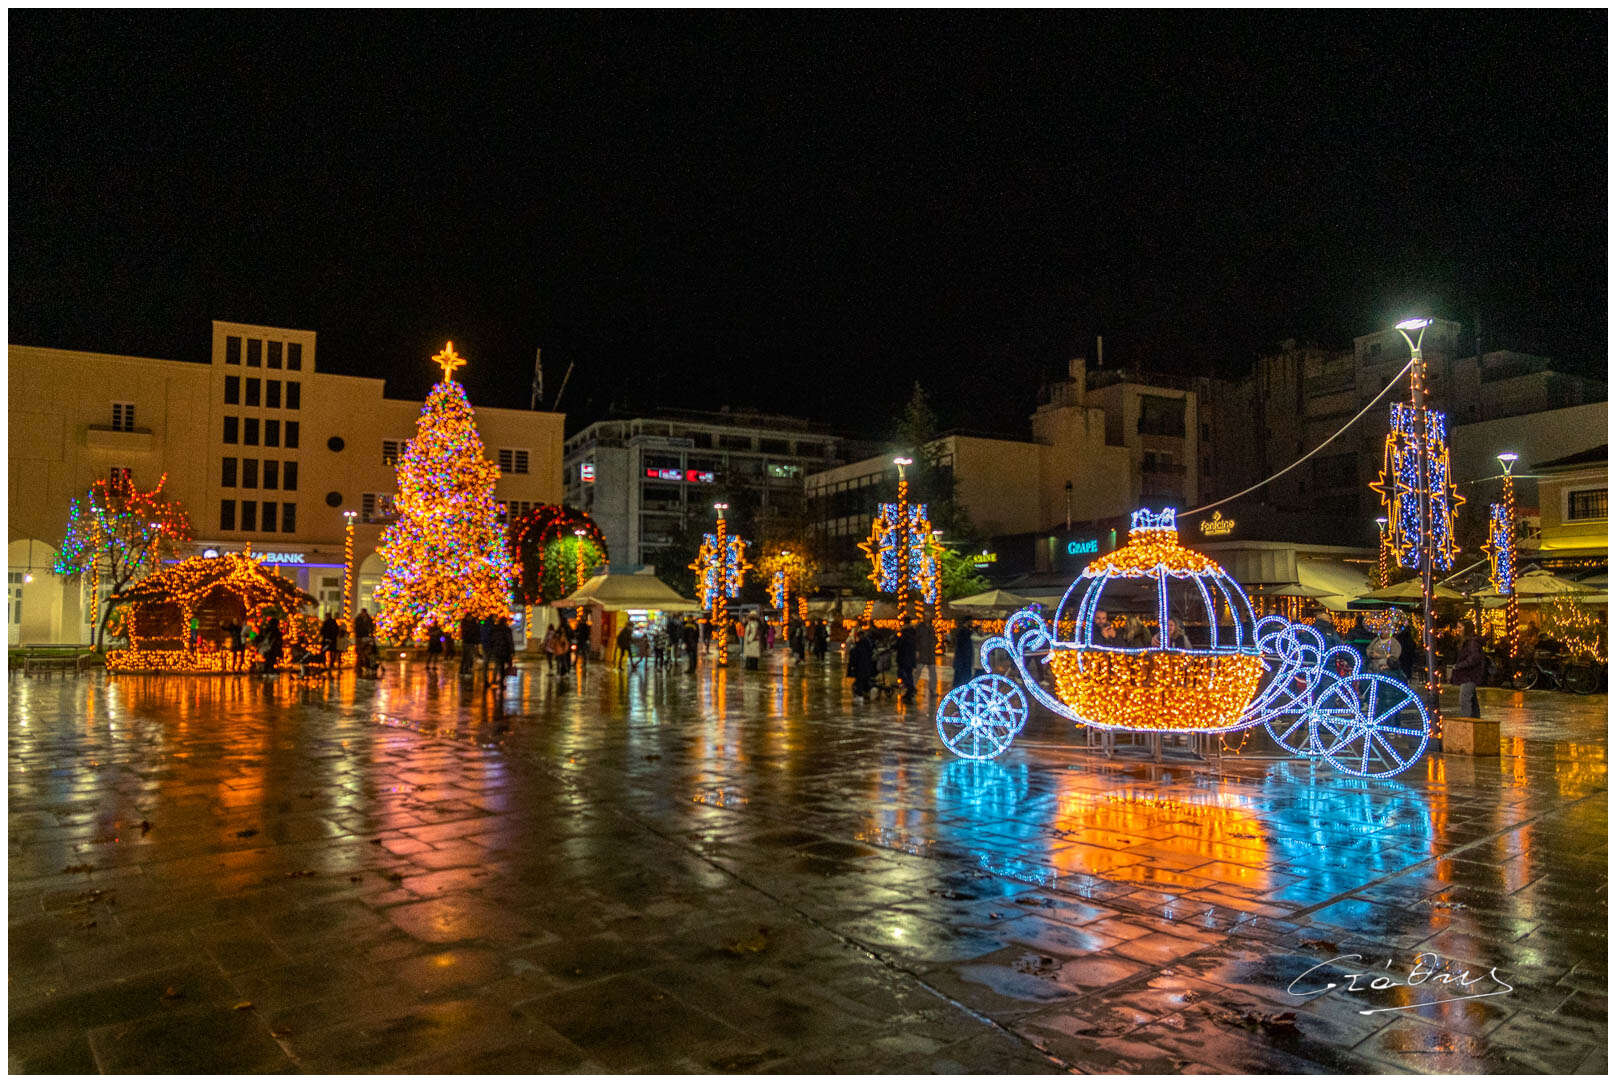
[216, 590]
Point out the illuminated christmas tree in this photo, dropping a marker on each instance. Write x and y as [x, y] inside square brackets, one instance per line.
[446, 554]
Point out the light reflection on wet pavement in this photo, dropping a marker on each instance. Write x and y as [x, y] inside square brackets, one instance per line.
[752, 872]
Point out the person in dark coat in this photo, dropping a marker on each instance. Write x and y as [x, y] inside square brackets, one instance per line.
[690, 636]
[581, 635]
[434, 644]
[821, 639]
[238, 644]
[269, 644]
[330, 632]
[906, 659]
[1405, 660]
[504, 646]
[926, 654]
[485, 636]
[469, 634]
[964, 653]
[861, 663]
[797, 639]
[1469, 670]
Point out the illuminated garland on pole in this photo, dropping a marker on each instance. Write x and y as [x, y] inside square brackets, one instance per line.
[1500, 550]
[720, 568]
[902, 549]
[446, 554]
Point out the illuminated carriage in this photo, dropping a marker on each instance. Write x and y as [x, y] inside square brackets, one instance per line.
[1313, 700]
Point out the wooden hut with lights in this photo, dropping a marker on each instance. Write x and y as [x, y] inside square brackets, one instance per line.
[217, 591]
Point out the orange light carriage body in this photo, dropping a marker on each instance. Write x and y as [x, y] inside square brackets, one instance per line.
[1164, 689]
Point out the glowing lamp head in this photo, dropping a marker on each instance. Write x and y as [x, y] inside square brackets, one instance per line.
[1414, 324]
[580, 532]
[1507, 460]
[903, 461]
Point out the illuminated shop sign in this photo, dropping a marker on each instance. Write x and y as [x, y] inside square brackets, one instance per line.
[278, 558]
[705, 477]
[586, 472]
[664, 475]
[1217, 526]
[1086, 545]
[985, 557]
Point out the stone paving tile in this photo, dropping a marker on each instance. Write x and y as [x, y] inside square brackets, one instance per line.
[655, 872]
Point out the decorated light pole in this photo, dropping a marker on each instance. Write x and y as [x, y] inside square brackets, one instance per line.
[580, 533]
[780, 590]
[720, 568]
[347, 569]
[1500, 548]
[1421, 501]
[1383, 565]
[902, 549]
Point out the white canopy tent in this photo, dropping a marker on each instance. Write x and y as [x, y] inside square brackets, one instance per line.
[618, 591]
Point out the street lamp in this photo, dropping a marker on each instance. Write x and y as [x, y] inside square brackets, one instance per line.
[1423, 475]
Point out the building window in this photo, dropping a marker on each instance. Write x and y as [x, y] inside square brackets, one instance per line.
[294, 356]
[231, 426]
[232, 390]
[249, 515]
[272, 473]
[255, 358]
[249, 473]
[778, 447]
[1586, 504]
[377, 508]
[249, 431]
[269, 517]
[227, 515]
[118, 476]
[274, 360]
[289, 518]
[289, 476]
[232, 356]
[391, 449]
[291, 434]
[123, 416]
[252, 392]
[735, 443]
[228, 477]
[272, 433]
[782, 470]
[513, 460]
[294, 394]
[272, 394]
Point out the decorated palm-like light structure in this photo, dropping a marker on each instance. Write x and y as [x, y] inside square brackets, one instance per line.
[903, 551]
[720, 568]
[1249, 672]
[1500, 550]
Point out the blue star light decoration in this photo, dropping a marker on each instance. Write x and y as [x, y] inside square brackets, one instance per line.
[1399, 487]
[902, 532]
[720, 570]
[1500, 549]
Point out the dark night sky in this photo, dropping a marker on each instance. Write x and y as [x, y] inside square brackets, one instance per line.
[805, 213]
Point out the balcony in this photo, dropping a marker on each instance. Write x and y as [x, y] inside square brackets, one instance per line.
[108, 438]
[1161, 428]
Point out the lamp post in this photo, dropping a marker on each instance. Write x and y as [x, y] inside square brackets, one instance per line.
[1505, 555]
[720, 610]
[580, 533]
[1423, 499]
[347, 570]
[902, 584]
[785, 592]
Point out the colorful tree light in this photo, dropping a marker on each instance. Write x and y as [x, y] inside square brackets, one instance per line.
[720, 568]
[446, 554]
[119, 533]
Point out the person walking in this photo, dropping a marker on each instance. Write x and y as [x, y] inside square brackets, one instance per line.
[556, 649]
[504, 643]
[330, 633]
[238, 644]
[821, 639]
[926, 655]
[797, 639]
[1384, 652]
[861, 663]
[906, 661]
[582, 640]
[269, 644]
[1469, 670]
[625, 643]
[1406, 650]
[468, 645]
[752, 642]
[964, 653]
[434, 645]
[690, 636]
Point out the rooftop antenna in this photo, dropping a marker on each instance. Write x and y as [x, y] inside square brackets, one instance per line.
[538, 381]
[556, 405]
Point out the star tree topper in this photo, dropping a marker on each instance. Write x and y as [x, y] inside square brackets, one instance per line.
[448, 360]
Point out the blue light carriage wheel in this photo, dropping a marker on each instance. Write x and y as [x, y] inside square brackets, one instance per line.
[1371, 725]
[979, 719]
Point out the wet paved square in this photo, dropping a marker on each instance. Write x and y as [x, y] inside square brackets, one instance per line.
[753, 872]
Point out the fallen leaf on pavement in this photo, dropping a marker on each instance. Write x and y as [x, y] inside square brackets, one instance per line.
[245, 1005]
[247, 834]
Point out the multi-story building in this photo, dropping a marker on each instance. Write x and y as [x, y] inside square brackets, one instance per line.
[647, 481]
[1103, 445]
[1300, 395]
[259, 446]
[1574, 510]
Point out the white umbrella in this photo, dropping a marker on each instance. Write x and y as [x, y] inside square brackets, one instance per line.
[990, 603]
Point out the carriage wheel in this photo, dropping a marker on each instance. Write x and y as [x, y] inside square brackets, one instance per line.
[1294, 733]
[1371, 726]
[979, 719]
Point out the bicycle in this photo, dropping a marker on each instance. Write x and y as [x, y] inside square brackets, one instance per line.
[1561, 673]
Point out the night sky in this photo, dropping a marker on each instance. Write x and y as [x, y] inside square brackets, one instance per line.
[800, 212]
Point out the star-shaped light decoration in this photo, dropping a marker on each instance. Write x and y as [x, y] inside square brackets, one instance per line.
[449, 360]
